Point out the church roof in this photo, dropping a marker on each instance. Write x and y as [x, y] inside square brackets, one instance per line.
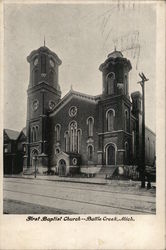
[45, 50]
[12, 134]
[115, 54]
[115, 57]
[72, 93]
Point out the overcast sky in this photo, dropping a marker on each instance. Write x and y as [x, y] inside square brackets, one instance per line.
[82, 35]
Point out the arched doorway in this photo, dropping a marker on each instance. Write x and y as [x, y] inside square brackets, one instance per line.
[62, 168]
[110, 155]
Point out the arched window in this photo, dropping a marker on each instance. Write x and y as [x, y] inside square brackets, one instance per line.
[35, 76]
[126, 120]
[67, 141]
[5, 149]
[90, 152]
[133, 143]
[78, 140]
[58, 130]
[37, 132]
[110, 83]
[110, 115]
[33, 134]
[73, 136]
[24, 148]
[51, 76]
[90, 122]
[57, 151]
[43, 63]
[126, 152]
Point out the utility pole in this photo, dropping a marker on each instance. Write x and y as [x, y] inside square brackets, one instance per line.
[142, 83]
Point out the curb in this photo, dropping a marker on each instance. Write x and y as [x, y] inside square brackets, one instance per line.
[72, 181]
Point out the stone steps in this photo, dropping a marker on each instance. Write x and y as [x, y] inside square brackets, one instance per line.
[107, 171]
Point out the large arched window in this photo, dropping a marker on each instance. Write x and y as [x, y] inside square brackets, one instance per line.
[110, 115]
[90, 152]
[90, 122]
[110, 83]
[67, 141]
[73, 136]
[58, 131]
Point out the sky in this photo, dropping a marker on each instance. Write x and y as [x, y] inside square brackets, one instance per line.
[82, 35]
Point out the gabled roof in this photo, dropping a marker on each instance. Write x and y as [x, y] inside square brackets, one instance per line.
[24, 131]
[72, 93]
[12, 134]
[22, 134]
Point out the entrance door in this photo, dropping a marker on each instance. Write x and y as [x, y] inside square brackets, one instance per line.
[111, 155]
[62, 168]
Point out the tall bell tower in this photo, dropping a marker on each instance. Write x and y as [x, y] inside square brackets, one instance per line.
[43, 95]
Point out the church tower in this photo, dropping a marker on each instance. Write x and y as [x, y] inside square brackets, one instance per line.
[115, 111]
[43, 95]
[115, 74]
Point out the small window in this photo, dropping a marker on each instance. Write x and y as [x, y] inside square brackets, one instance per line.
[126, 152]
[110, 83]
[110, 115]
[6, 149]
[58, 130]
[57, 151]
[24, 148]
[90, 122]
[90, 152]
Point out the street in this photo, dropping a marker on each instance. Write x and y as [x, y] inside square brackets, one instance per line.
[74, 198]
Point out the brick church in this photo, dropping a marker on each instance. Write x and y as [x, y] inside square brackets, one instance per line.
[82, 133]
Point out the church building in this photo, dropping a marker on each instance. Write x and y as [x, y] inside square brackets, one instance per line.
[80, 132]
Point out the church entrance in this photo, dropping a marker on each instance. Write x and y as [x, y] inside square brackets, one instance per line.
[110, 155]
[62, 168]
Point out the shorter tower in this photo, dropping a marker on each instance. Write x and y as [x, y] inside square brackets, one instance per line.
[43, 95]
[115, 74]
[115, 111]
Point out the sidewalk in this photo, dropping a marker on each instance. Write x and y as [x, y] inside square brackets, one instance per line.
[85, 180]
